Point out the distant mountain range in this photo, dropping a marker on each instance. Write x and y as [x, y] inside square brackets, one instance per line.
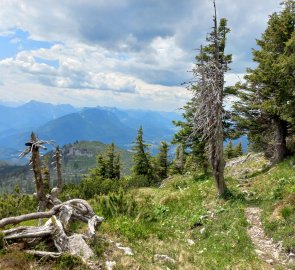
[65, 124]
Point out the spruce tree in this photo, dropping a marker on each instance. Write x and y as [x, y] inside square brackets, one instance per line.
[229, 150]
[238, 150]
[266, 107]
[162, 160]
[141, 158]
[109, 161]
[101, 167]
[179, 160]
[117, 167]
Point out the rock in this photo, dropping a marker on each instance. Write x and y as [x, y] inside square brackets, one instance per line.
[270, 261]
[259, 252]
[165, 258]
[190, 242]
[127, 250]
[202, 230]
[79, 247]
[110, 265]
[202, 251]
[291, 257]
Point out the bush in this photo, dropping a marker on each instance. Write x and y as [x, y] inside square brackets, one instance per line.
[115, 204]
[136, 181]
[69, 262]
[16, 204]
[286, 212]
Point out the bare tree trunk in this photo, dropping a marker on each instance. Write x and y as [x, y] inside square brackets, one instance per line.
[38, 175]
[280, 148]
[58, 157]
[218, 165]
[217, 161]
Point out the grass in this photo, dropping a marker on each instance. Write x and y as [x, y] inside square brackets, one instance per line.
[185, 220]
[186, 209]
[198, 230]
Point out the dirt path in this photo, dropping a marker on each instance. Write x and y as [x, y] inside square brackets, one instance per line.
[265, 248]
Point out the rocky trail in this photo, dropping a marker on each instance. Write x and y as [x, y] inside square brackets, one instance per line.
[265, 248]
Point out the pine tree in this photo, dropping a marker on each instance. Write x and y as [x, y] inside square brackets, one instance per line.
[179, 160]
[117, 166]
[238, 150]
[109, 161]
[229, 150]
[101, 167]
[162, 160]
[266, 107]
[141, 158]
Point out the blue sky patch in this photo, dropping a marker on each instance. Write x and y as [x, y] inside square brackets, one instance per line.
[53, 63]
[20, 40]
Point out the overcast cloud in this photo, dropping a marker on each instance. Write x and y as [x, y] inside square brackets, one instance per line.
[124, 53]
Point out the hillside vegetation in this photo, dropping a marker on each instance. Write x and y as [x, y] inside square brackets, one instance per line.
[77, 159]
[186, 222]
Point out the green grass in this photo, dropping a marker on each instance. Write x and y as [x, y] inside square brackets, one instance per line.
[186, 210]
[176, 208]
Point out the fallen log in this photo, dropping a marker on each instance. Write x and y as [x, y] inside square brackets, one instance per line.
[56, 227]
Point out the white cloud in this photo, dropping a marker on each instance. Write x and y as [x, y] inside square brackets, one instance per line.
[120, 52]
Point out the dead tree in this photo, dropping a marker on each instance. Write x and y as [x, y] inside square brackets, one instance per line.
[58, 158]
[60, 215]
[208, 98]
[33, 147]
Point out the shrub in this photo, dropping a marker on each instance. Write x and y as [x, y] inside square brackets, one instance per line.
[286, 212]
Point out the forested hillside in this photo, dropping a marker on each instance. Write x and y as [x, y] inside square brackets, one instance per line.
[77, 159]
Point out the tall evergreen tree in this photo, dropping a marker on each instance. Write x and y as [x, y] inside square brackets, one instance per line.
[117, 166]
[101, 167]
[238, 150]
[266, 107]
[141, 158]
[109, 161]
[162, 160]
[179, 160]
[229, 150]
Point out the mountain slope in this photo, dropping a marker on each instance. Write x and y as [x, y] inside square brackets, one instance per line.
[30, 115]
[77, 159]
[101, 124]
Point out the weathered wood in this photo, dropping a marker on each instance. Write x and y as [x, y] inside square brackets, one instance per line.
[44, 253]
[82, 211]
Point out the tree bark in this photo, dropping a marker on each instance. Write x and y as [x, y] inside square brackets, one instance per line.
[280, 147]
[38, 176]
[60, 182]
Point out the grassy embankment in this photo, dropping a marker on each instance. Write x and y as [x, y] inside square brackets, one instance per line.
[187, 222]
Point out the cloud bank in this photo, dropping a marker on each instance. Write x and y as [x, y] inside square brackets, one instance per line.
[124, 53]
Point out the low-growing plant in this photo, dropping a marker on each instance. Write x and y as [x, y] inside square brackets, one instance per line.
[286, 212]
[70, 262]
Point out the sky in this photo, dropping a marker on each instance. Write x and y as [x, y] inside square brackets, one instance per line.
[118, 53]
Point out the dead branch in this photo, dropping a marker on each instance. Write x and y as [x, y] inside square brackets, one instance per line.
[56, 227]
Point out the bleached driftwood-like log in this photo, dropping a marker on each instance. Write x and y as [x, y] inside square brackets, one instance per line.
[82, 211]
[44, 253]
[56, 228]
